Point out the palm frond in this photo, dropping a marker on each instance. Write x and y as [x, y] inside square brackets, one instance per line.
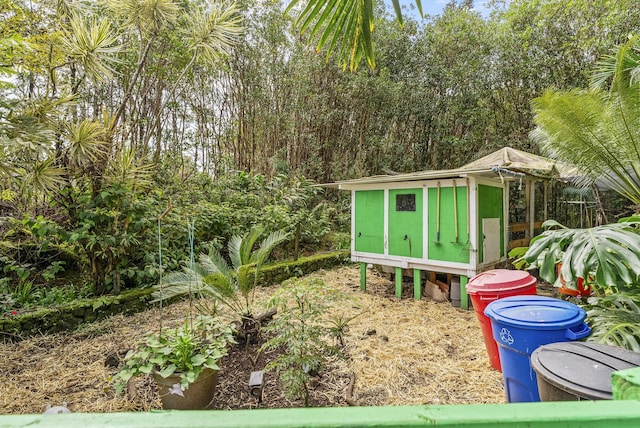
[176, 284]
[146, 15]
[215, 263]
[214, 33]
[627, 60]
[240, 247]
[93, 45]
[248, 242]
[87, 142]
[594, 131]
[128, 169]
[267, 245]
[159, 13]
[199, 282]
[44, 176]
[342, 25]
[234, 247]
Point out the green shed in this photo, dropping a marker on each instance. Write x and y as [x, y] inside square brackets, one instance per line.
[444, 221]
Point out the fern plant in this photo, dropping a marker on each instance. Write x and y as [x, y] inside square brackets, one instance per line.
[214, 278]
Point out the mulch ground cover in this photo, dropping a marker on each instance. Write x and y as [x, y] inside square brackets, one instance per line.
[396, 352]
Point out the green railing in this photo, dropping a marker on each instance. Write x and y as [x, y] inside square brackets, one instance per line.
[578, 414]
[619, 413]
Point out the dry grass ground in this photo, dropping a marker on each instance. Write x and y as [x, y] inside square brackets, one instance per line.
[402, 352]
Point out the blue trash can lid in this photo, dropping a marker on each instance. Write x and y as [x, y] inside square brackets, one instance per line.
[535, 312]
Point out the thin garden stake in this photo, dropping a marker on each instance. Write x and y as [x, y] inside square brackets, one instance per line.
[191, 231]
[169, 208]
[160, 266]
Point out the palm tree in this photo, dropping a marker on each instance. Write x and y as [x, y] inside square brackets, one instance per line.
[52, 151]
[232, 285]
[344, 26]
[598, 129]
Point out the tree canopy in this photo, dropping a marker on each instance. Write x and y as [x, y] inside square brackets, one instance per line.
[112, 112]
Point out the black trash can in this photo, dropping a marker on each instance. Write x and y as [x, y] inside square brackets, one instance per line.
[569, 371]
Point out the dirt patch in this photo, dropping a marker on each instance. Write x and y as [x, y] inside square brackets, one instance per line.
[400, 352]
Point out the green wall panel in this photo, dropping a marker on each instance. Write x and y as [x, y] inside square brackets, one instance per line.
[490, 205]
[369, 227]
[405, 222]
[446, 248]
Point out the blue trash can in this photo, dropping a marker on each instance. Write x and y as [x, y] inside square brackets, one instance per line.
[520, 325]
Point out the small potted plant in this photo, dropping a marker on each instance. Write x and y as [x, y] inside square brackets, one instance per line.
[183, 362]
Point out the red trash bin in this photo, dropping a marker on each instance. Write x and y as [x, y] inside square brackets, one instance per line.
[492, 285]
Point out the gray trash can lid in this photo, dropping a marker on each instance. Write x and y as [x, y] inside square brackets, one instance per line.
[582, 368]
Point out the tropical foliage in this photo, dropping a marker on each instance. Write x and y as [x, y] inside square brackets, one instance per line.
[116, 114]
[607, 256]
[345, 26]
[232, 285]
[615, 319]
[598, 129]
[185, 351]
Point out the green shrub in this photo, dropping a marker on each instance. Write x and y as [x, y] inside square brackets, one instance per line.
[299, 329]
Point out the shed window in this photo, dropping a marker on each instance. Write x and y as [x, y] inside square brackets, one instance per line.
[406, 202]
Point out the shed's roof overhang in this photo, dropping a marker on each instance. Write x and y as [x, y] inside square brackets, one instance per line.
[416, 176]
[506, 163]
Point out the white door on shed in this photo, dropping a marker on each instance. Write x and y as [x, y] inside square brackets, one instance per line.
[491, 241]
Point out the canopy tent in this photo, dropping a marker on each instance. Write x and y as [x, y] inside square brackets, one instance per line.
[516, 160]
[508, 163]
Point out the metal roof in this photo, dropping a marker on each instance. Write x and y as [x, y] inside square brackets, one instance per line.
[507, 163]
[414, 176]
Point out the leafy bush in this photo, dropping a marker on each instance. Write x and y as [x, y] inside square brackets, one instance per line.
[111, 235]
[615, 319]
[301, 329]
[184, 351]
[608, 256]
[32, 249]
